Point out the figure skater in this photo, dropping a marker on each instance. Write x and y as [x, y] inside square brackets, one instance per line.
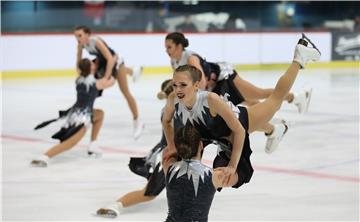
[222, 79]
[97, 47]
[81, 115]
[220, 120]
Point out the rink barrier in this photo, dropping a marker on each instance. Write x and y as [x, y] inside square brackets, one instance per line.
[58, 51]
[168, 70]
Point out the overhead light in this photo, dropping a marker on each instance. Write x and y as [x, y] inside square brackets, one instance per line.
[191, 2]
[290, 11]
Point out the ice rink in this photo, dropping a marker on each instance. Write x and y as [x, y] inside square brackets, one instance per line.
[313, 176]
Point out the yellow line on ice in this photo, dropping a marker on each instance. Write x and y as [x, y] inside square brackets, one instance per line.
[168, 70]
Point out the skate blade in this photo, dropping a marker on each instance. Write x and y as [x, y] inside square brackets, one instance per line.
[108, 216]
[308, 100]
[303, 38]
[94, 155]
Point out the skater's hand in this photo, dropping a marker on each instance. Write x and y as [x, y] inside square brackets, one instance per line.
[169, 156]
[171, 148]
[228, 172]
[169, 153]
[218, 177]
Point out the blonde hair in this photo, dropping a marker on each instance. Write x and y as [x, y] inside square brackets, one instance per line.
[166, 89]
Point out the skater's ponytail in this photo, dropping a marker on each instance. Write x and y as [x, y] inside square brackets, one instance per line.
[187, 141]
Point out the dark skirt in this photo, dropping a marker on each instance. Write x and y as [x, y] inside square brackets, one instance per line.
[154, 174]
[101, 71]
[228, 86]
[65, 133]
[244, 167]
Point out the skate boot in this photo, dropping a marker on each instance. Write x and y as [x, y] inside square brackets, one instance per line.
[275, 137]
[137, 72]
[94, 150]
[138, 128]
[110, 211]
[302, 100]
[42, 161]
[305, 54]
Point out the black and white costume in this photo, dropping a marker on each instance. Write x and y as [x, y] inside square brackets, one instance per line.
[91, 48]
[215, 129]
[81, 113]
[189, 190]
[150, 167]
[223, 71]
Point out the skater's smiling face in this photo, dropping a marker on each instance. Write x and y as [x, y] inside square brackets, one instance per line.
[82, 35]
[186, 81]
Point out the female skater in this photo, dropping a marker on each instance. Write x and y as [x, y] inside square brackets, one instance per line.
[80, 115]
[224, 122]
[222, 79]
[97, 47]
[190, 185]
[149, 167]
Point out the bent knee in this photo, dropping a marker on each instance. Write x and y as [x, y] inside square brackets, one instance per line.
[276, 102]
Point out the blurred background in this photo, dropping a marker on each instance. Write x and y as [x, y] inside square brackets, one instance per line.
[186, 16]
[239, 32]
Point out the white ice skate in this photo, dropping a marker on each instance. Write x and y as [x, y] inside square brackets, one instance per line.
[138, 128]
[275, 137]
[302, 100]
[137, 72]
[110, 211]
[305, 54]
[94, 150]
[42, 161]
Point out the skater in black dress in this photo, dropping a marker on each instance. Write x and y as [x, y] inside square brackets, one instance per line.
[80, 116]
[223, 80]
[222, 121]
[190, 185]
[97, 47]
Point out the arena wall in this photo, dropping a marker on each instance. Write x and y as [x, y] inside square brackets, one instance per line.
[58, 51]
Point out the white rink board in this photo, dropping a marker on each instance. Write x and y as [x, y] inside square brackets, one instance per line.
[44, 52]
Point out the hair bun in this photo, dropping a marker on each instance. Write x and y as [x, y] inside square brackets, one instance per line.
[161, 95]
[186, 42]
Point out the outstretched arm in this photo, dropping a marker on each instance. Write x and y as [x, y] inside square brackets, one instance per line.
[105, 82]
